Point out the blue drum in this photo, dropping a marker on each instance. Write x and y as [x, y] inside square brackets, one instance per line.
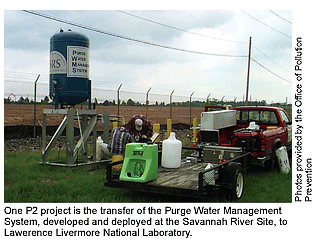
[69, 68]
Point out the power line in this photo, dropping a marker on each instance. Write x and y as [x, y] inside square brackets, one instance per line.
[172, 27]
[270, 59]
[268, 25]
[158, 23]
[175, 28]
[144, 42]
[128, 38]
[270, 71]
[280, 17]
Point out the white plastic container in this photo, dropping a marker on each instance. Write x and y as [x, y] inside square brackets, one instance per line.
[283, 160]
[171, 152]
[98, 151]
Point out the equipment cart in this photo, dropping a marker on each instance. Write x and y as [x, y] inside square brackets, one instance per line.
[192, 179]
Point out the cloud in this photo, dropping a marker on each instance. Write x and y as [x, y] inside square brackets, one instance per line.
[138, 66]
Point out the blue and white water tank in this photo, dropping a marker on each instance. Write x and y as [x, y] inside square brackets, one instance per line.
[69, 68]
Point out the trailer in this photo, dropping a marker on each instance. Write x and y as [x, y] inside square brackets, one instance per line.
[192, 179]
[229, 142]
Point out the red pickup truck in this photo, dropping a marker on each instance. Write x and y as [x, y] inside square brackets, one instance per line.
[257, 129]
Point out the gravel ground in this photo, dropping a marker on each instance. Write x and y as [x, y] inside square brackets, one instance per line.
[29, 144]
[26, 144]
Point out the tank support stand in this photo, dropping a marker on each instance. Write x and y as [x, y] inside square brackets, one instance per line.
[72, 149]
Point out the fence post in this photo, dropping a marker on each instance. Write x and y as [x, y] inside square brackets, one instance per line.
[118, 100]
[35, 104]
[170, 104]
[191, 109]
[208, 99]
[222, 100]
[147, 101]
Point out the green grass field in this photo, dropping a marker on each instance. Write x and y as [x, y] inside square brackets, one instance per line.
[25, 180]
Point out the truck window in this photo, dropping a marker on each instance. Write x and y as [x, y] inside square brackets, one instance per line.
[260, 117]
[242, 116]
[284, 117]
[254, 116]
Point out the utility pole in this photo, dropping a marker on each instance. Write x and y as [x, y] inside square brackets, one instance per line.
[249, 64]
[35, 105]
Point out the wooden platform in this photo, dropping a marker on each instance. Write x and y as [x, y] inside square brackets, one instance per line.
[188, 180]
[184, 177]
[183, 181]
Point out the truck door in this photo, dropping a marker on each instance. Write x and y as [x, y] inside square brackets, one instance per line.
[287, 126]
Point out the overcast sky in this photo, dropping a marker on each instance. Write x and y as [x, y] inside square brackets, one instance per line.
[138, 66]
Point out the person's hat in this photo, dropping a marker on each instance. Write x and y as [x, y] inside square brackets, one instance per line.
[138, 124]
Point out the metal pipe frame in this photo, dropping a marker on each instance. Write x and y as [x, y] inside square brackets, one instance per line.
[67, 123]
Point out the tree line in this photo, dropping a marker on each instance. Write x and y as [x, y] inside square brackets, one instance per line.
[130, 102]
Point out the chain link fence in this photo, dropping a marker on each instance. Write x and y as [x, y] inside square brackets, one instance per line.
[173, 104]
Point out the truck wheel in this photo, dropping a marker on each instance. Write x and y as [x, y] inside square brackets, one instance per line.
[272, 164]
[237, 184]
[233, 173]
[274, 160]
